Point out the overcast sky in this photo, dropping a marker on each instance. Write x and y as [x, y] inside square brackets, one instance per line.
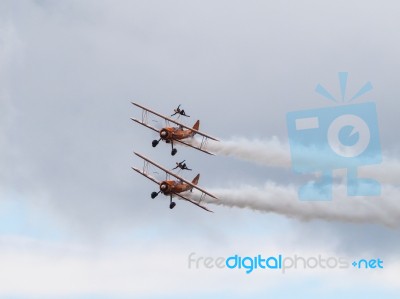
[76, 221]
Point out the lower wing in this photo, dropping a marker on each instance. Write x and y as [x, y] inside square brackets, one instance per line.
[195, 147]
[146, 175]
[193, 202]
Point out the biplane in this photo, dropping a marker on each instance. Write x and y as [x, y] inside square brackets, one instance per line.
[173, 187]
[171, 134]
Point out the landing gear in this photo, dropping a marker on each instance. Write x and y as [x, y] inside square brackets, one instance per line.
[154, 194]
[171, 203]
[155, 142]
[174, 150]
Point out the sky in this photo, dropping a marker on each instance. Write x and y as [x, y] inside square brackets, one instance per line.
[77, 222]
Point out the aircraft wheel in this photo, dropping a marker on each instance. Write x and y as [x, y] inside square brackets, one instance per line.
[154, 195]
[172, 205]
[154, 143]
[174, 151]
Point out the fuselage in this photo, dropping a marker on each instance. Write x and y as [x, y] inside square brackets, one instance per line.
[169, 187]
[174, 133]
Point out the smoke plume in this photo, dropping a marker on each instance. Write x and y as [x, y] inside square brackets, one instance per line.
[280, 199]
[275, 153]
[283, 199]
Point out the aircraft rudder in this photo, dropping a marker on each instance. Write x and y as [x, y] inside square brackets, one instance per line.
[196, 126]
[196, 179]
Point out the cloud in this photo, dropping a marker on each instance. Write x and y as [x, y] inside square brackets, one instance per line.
[57, 269]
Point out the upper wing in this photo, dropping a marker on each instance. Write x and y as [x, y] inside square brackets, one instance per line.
[193, 202]
[170, 120]
[146, 175]
[174, 175]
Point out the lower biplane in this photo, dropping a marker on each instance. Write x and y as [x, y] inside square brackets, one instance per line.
[173, 187]
[178, 133]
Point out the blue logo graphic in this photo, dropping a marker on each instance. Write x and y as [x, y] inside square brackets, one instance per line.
[368, 264]
[343, 136]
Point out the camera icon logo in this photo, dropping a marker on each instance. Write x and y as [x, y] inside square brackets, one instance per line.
[324, 139]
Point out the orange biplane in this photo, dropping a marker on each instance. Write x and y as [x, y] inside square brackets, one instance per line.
[171, 134]
[171, 187]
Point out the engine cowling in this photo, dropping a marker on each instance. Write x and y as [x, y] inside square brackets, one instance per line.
[164, 134]
[165, 188]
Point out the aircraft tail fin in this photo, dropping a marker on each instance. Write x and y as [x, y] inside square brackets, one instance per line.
[196, 179]
[196, 126]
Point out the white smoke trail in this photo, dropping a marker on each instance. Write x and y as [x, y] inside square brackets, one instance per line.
[283, 199]
[387, 172]
[275, 153]
[269, 152]
[272, 198]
